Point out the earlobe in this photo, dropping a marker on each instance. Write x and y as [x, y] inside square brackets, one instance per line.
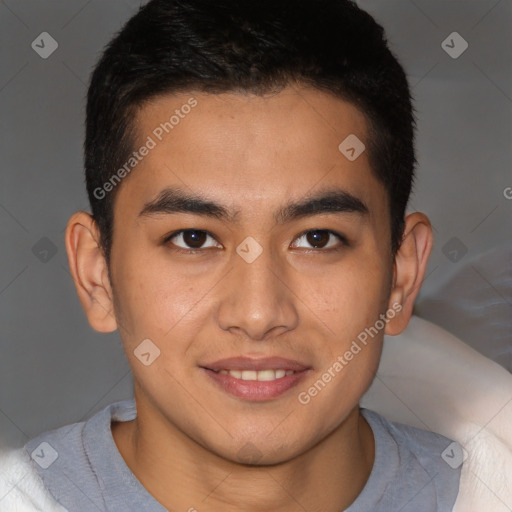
[409, 270]
[89, 271]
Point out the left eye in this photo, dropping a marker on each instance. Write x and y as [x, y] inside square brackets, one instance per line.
[320, 239]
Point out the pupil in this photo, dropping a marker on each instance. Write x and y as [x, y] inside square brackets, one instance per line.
[194, 239]
[317, 238]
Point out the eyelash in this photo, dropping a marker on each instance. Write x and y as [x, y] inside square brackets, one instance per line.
[342, 239]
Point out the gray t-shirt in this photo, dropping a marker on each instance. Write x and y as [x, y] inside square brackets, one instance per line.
[82, 468]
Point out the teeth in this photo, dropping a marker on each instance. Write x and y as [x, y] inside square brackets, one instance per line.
[262, 375]
[265, 375]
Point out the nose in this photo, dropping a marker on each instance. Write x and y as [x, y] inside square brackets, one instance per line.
[257, 300]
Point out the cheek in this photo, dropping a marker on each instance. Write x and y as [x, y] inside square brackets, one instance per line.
[153, 300]
[348, 297]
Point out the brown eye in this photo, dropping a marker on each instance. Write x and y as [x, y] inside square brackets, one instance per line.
[193, 239]
[320, 239]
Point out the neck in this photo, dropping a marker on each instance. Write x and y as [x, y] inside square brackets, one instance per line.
[183, 475]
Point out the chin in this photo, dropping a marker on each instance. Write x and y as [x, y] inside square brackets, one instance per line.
[261, 451]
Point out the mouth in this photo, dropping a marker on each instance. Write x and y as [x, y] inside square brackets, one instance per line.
[256, 379]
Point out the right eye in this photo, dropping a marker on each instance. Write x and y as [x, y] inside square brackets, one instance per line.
[192, 240]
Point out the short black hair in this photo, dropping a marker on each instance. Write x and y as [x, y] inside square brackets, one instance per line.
[256, 47]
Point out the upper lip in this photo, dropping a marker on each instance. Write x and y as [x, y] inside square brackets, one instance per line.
[249, 363]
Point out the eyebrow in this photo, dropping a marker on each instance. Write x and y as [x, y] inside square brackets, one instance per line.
[176, 200]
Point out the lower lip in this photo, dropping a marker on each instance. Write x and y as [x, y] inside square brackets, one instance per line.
[254, 390]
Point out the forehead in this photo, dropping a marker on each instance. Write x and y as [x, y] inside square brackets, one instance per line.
[254, 150]
[287, 118]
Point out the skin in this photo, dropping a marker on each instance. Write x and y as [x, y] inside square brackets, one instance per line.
[253, 155]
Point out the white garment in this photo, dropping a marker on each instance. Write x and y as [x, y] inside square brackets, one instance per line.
[430, 379]
[21, 489]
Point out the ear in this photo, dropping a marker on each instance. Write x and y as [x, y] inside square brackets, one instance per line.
[409, 270]
[89, 271]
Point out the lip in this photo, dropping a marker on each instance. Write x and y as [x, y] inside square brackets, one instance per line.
[253, 390]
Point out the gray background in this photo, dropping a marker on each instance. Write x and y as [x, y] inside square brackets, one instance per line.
[54, 369]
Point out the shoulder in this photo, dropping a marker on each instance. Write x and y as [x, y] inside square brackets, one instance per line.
[414, 466]
[435, 453]
[434, 449]
[78, 464]
[21, 488]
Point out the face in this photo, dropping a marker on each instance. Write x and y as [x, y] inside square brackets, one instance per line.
[245, 232]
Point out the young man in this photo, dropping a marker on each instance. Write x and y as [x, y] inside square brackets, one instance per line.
[248, 166]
